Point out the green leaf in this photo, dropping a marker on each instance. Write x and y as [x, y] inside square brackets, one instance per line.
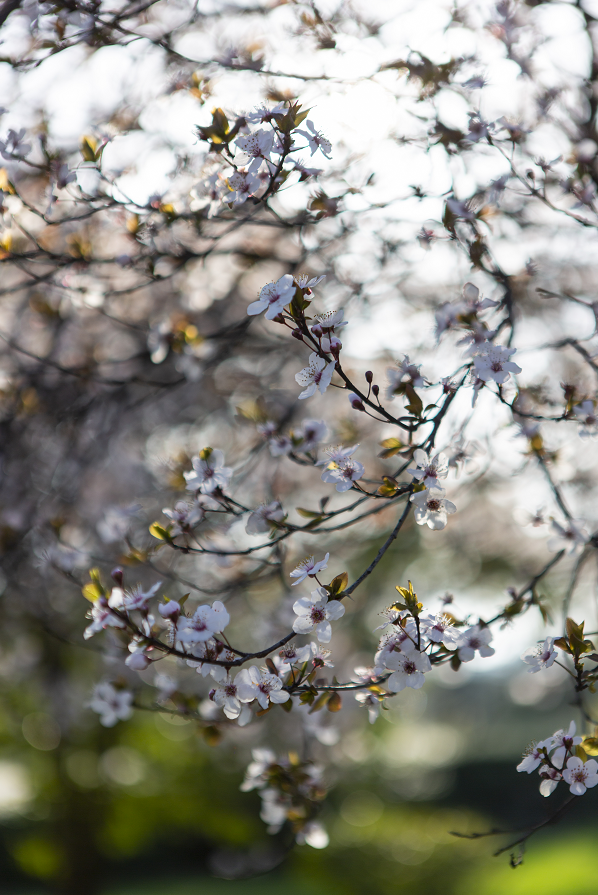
[157, 531]
[338, 585]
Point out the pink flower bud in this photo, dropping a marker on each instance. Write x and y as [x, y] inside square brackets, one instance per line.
[317, 330]
[375, 390]
[369, 376]
[356, 402]
[211, 694]
[117, 576]
[297, 334]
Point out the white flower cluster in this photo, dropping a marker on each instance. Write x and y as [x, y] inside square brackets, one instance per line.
[551, 755]
[253, 165]
[340, 469]
[286, 788]
[431, 506]
[405, 650]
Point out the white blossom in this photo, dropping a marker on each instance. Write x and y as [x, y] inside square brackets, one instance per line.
[336, 455]
[261, 519]
[429, 469]
[372, 701]
[440, 629]
[316, 140]
[273, 297]
[539, 657]
[563, 742]
[408, 670]
[493, 363]
[226, 696]
[256, 148]
[432, 509]
[580, 776]
[280, 445]
[242, 185]
[112, 705]
[308, 568]
[535, 755]
[550, 780]
[184, 517]
[208, 475]
[475, 639]
[315, 613]
[315, 377]
[204, 623]
[253, 683]
[102, 617]
[133, 599]
[343, 474]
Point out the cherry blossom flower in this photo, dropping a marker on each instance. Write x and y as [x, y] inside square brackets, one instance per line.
[429, 469]
[184, 517]
[372, 701]
[315, 377]
[580, 776]
[102, 617]
[325, 328]
[306, 283]
[308, 568]
[208, 474]
[138, 660]
[310, 434]
[564, 742]
[133, 599]
[204, 623]
[256, 148]
[111, 705]
[432, 509]
[343, 474]
[263, 115]
[280, 445]
[261, 519]
[256, 775]
[227, 698]
[316, 140]
[535, 755]
[586, 415]
[408, 670]
[316, 612]
[242, 185]
[493, 363]
[205, 652]
[571, 537]
[539, 657]
[476, 338]
[273, 297]
[314, 834]
[336, 455]
[440, 629]
[255, 684]
[475, 639]
[291, 654]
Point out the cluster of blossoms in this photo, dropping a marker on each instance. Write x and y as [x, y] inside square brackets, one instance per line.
[431, 506]
[405, 651]
[247, 159]
[290, 789]
[303, 439]
[561, 757]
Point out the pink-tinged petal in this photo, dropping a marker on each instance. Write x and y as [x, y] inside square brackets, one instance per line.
[547, 787]
[335, 610]
[466, 654]
[397, 681]
[416, 680]
[256, 307]
[591, 766]
[324, 632]
[303, 606]
[577, 789]
[262, 699]
[303, 625]
[279, 696]
[309, 391]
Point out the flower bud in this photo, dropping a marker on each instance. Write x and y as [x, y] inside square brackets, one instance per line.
[212, 693]
[369, 376]
[137, 661]
[117, 576]
[356, 402]
[297, 334]
[317, 330]
[375, 390]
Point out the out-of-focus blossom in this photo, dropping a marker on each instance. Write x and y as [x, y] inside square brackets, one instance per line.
[111, 705]
[209, 474]
[429, 469]
[539, 657]
[262, 519]
[571, 536]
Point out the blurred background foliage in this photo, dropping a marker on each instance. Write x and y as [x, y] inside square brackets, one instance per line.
[127, 348]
